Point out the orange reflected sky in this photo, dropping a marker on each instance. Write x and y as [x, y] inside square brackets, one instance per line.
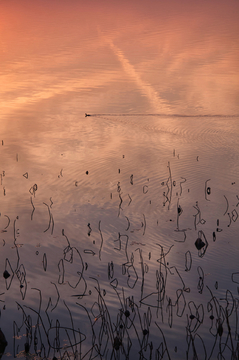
[154, 57]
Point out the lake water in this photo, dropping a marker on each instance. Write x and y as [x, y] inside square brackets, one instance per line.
[119, 179]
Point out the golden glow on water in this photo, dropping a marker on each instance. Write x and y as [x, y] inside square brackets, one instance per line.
[184, 61]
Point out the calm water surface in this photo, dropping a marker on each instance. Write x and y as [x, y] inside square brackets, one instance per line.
[119, 230]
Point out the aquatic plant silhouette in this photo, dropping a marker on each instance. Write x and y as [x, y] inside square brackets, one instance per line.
[108, 292]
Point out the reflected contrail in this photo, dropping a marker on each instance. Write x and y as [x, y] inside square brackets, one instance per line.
[146, 89]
